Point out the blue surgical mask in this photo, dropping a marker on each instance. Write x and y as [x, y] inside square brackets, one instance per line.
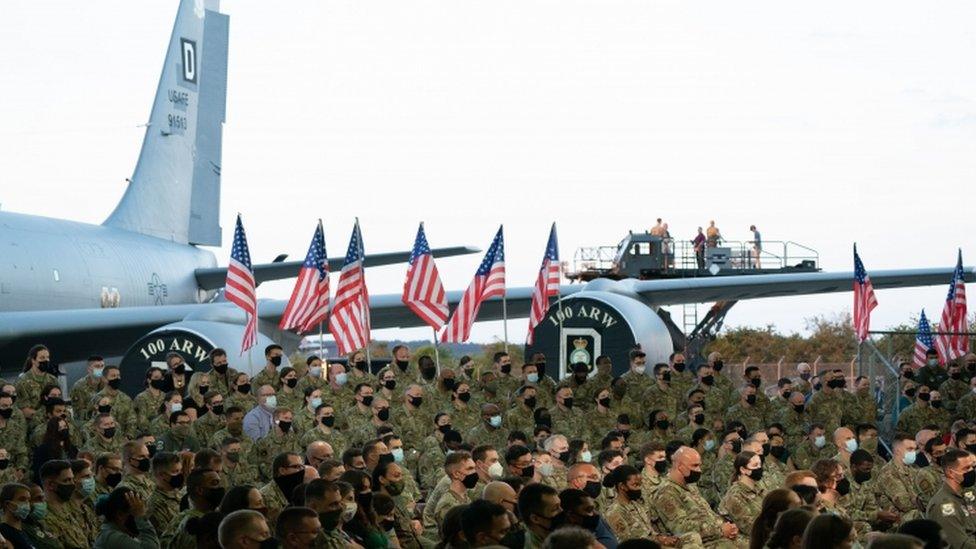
[271, 401]
[532, 378]
[909, 457]
[88, 486]
[39, 510]
[397, 455]
[495, 421]
[851, 445]
[820, 441]
[341, 379]
[315, 371]
[22, 511]
[315, 402]
[176, 407]
[586, 456]
[97, 373]
[710, 444]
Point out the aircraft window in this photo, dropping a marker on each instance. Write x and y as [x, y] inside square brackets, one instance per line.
[642, 248]
[57, 276]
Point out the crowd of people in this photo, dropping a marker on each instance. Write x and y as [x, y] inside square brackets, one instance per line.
[709, 238]
[311, 454]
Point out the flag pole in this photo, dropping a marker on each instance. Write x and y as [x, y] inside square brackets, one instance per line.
[505, 316]
[437, 356]
[363, 311]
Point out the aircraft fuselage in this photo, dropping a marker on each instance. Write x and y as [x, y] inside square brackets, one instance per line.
[49, 264]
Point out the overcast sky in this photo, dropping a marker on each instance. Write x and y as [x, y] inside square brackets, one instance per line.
[822, 123]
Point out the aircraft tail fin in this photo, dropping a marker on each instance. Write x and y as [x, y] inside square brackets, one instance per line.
[174, 192]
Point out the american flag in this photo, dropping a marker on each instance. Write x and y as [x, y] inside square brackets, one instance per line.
[489, 281]
[864, 300]
[954, 319]
[546, 285]
[923, 340]
[309, 303]
[240, 288]
[349, 322]
[422, 291]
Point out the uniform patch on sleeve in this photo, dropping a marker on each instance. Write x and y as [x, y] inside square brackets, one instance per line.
[948, 509]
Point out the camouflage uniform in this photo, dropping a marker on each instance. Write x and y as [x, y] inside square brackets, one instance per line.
[722, 474]
[629, 520]
[162, 508]
[795, 427]
[12, 437]
[264, 378]
[637, 384]
[63, 519]
[412, 425]
[97, 445]
[656, 398]
[966, 408]
[597, 426]
[447, 502]
[336, 439]
[827, 409]
[220, 383]
[928, 480]
[649, 485]
[862, 502]
[29, 386]
[956, 515]
[486, 434]
[176, 536]
[952, 390]
[274, 500]
[244, 472]
[143, 485]
[507, 385]
[567, 422]
[557, 479]
[443, 484]
[864, 409]
[39, 538]
[753, 417]
[81, 393]
[122, 409]
[218, 438]
[267, 448]
[716, 400]
[330, 539]
[932, 376]
[465, 418]
[519, 418]
[806, 454]
[682, 510]
[206, 426]
[242, 401]
[430, 467]
[896, 489]
[742, 504]
[291, 399]
[682, 382]
[146, 407]
[915, 416]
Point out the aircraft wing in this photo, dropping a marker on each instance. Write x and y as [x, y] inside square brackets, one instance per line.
[213, 278]
[77, 332]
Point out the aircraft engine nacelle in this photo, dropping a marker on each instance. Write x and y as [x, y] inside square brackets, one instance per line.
[193, 339]
[600, 320]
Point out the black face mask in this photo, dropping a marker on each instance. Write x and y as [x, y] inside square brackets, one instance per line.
[143, 464]
[244, 388]
[367, 400]
[862, 477]
[4, 463]
[698, 419]
[291, 383]
[798, 408]
[428, 373]
[718, 365]
[416, 401]
[217, 409]
[220, 368]
[708, 380]
[5, 414]
[470, 481]
[817, 386]
[756, 474]
[635, 495]
[151, 447]
[104, 408]
[736, 446]
[289, 482]
[580, 378]
[64, 491]
[563, 456]
[779, 452]
[528, 471]
[360, 364]
[176, 481]
[751, 399]
[592, 489]
[285, 426]
[971, 448]
[921, 460]
[530, 402]
[662, 424]
[464, 397]
[692, 477]
[924, 397]
[910, 393]
[506, 368]
[568, 402]
[590, 522]
[115, 383]
[909, 374]
[328, 421]
[113, 479]
[786, 395]
[449, 383]
[766, 447]
[837, 383]
[364, 500]
[275, 360]
[666, 377]
[605, 402]
[936, 404]
[109, 433]
[383, 414]
[756, 382]
[661, 466]
[203, 389]
[843, 486]
[679, 367]
[402, 364]
[808, 494]
[956, 375]
[971, 366]
[389, 384]
[969, 479]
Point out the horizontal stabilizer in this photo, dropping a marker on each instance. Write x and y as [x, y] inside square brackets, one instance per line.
[214, 278]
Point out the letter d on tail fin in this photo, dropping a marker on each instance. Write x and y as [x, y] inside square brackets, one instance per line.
[174, 192]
